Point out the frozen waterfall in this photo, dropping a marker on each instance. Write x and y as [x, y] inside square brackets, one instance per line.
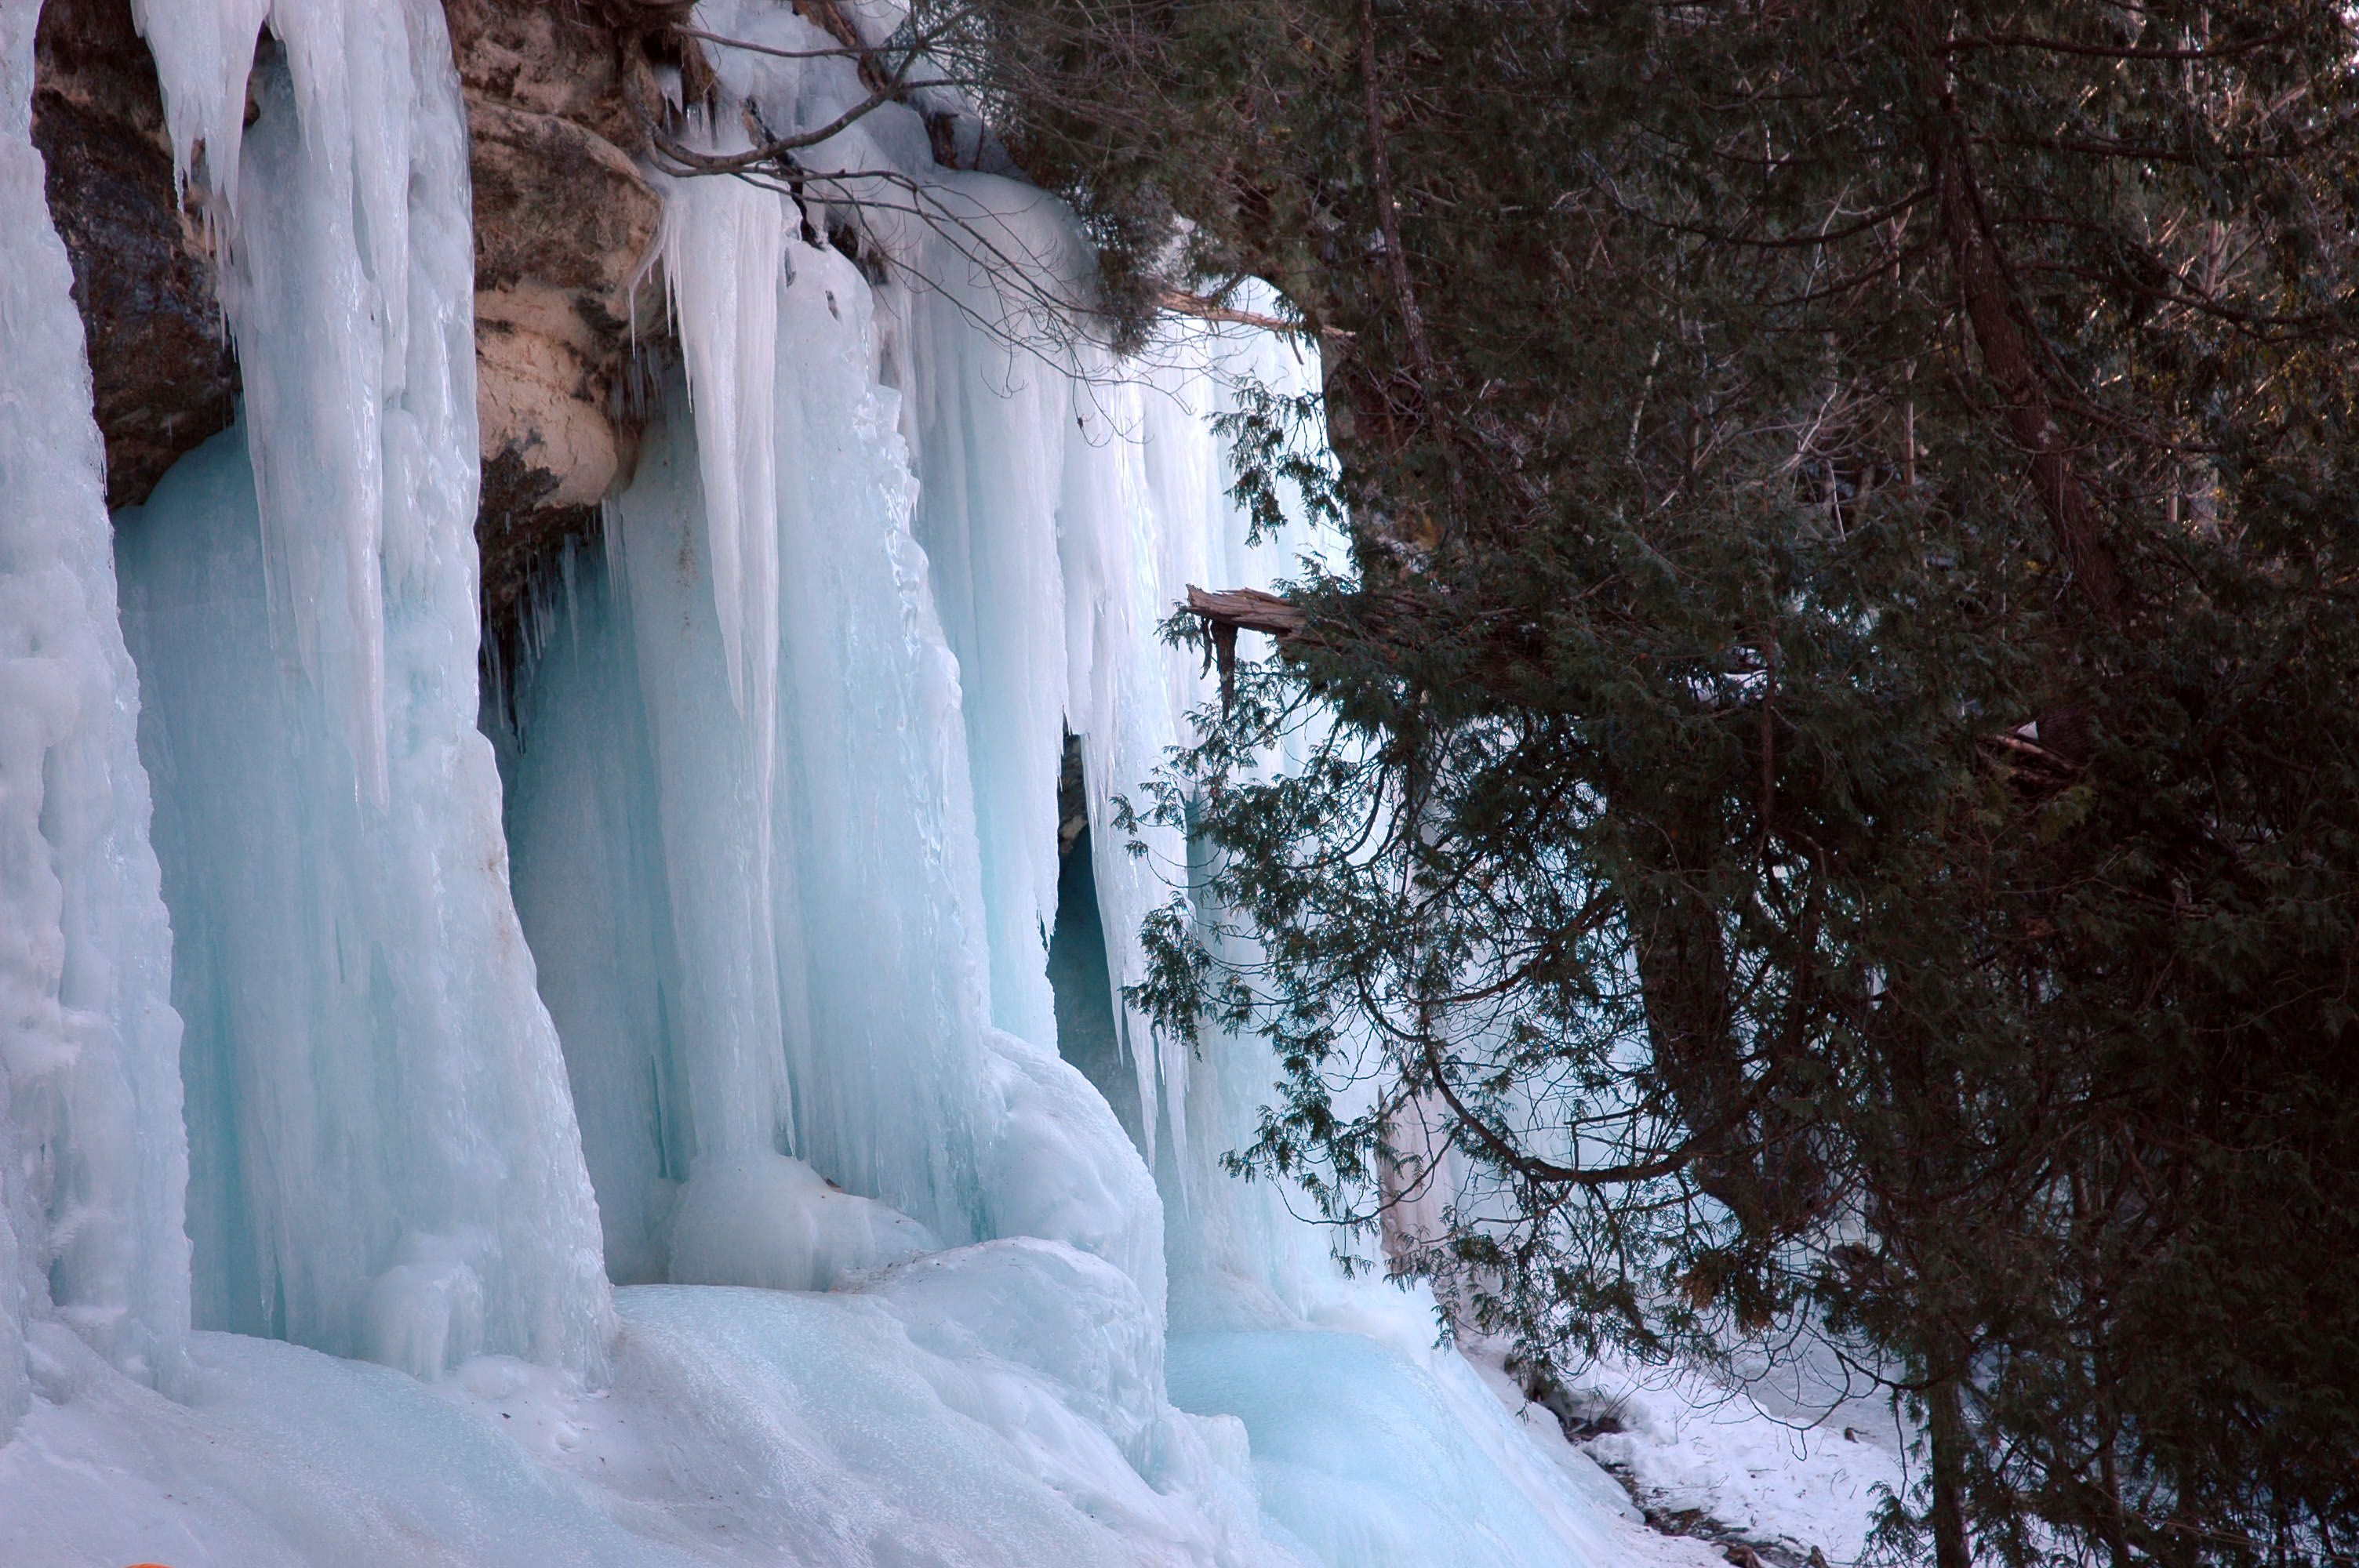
[642, 1136]
[92, 1160]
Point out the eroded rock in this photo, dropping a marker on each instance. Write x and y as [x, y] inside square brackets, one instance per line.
[565, 233]
[163, 379]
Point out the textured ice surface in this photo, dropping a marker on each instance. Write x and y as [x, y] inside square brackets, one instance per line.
[769, 1220]
[91, 1159]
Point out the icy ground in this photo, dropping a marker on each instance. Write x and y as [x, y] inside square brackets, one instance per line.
[954, 1411]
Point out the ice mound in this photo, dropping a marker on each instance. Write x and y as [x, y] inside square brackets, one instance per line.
[742, 1426]
[771, 1220]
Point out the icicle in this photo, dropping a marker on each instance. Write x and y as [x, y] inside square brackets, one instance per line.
[203, 51]
[970, 258]
[723, 247]
[318, 252]
[384, 1156]
[1144, 509]
[92, 1157]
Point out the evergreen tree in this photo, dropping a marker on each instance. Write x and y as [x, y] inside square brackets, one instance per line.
[1832, 780]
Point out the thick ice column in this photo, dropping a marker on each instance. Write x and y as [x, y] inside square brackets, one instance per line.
[818, 903]
[91, 1159]
[993, 408]
[986, 374]
[820, 928]
[893, 900]
[385, 1161]
[890, 1065]
[702, 544]
[714, 798]
[594, 887]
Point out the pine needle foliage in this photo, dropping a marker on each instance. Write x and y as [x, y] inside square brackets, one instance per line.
[1831, 783]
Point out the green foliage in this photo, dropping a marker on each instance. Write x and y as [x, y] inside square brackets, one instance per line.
[1833, 776]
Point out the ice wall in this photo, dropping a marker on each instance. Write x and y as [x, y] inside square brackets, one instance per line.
[801, 970]
[1064, 499]
[92, 1160]
[384, 1159]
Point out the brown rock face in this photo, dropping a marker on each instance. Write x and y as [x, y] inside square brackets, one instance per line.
[163, 375]
[563, 224]
[565, 231]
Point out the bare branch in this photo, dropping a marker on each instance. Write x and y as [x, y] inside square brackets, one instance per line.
[1178, 302]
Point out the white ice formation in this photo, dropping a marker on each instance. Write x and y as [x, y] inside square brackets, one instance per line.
[338, 1084]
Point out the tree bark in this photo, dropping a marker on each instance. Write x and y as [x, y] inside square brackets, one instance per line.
[1945, 1429]
[1990, 310]
[1380, 173]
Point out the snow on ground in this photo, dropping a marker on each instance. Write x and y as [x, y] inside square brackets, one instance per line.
[1784, 1456]
[996, 1404]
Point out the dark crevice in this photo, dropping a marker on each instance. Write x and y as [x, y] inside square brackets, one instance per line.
[1089, 1031]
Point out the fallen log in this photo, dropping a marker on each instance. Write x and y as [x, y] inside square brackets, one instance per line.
[1179, 302]
[1246, 608]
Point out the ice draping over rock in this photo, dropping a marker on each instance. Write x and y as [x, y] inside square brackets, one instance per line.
[383, 1157]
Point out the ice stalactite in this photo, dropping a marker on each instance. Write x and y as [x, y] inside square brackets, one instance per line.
[385, 1159]
[204, 53]
[723, 246]
[815, 960]
[990, 416]
[1144, 509]
[92, 1158]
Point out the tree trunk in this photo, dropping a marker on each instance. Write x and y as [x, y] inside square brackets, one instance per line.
[1945, 1428]
[1990, 309]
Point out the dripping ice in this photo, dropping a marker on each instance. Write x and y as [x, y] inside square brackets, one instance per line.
[656, 1147]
